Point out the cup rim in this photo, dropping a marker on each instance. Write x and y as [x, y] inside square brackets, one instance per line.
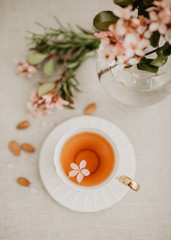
[57, 155]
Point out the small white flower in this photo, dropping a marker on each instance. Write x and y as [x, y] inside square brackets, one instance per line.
[25, 69]
[133, 61]
[79, 171]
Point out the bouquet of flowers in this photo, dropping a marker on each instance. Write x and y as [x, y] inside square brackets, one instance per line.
[134, 26]
[123, 38]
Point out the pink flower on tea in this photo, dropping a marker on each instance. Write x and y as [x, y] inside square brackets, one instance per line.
[25, 69]
[79, 171]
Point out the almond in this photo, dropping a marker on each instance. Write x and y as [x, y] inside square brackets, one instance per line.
[23, 182]
[27, 147]
[14, 147]
[90, 109]
[23, 125]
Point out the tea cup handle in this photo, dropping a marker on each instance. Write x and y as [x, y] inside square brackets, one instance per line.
[129, 182]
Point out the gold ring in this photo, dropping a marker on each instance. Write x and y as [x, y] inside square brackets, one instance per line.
[129, 182]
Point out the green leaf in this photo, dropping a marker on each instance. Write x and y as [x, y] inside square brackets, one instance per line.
[36, 58]
[159, 61]
[147, 67]
[69, 106]
[154, 39]
[124, 2]
[165, 50]
[103, 20]
[67, 94]
[146, 60]
[45, 88]
[144, 64]
[49, 68]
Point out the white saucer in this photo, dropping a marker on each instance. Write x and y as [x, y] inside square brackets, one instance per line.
[97, 199]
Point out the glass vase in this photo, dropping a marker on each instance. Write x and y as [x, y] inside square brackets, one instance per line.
[134, 87]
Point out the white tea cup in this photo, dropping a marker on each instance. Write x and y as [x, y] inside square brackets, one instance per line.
[57, 161]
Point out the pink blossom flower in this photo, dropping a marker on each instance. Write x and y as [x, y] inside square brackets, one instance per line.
[126, 40]
[140, 24]
[105, 53]
[39, 106]
[79, 171]
[136, 44]
[118, 49]
[160, 17]
[34, 96]
[48, 98]
[25, 69]
[103, 35]
[57, 103]
[124, 13]
[60, 103]
[157, 23]
[118, 30]
[35, 110]
[162, 3]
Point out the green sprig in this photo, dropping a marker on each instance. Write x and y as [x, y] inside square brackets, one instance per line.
[70, 47]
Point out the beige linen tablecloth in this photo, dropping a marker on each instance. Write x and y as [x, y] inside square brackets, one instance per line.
[31, 214]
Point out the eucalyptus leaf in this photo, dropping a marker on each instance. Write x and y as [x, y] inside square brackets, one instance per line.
[36, 58]
[154, 39]
[159, 61]
[49, 68]
[103, 19]
[45, 88]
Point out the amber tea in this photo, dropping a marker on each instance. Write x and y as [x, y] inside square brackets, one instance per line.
[87, 159]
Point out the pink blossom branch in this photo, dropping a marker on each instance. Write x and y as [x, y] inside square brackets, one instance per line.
[105, 70]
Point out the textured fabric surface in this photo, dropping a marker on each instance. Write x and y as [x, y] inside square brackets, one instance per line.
[31, 213]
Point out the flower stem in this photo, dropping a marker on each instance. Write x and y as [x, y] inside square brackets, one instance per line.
[105, 70]
[151, 52]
